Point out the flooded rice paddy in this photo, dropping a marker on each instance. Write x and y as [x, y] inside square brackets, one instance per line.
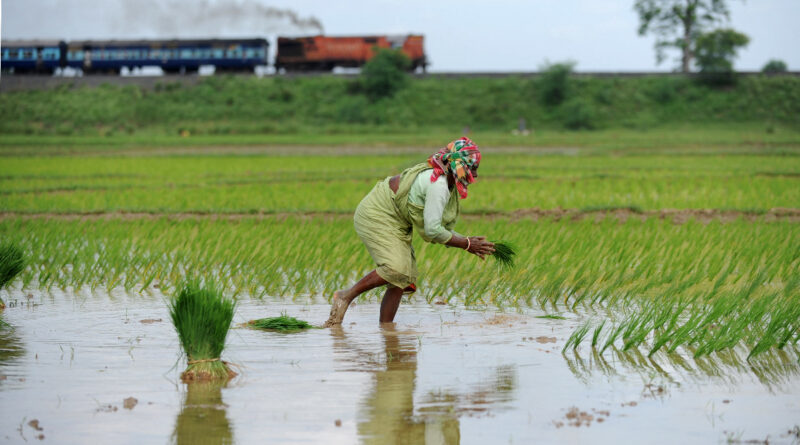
[78, 365]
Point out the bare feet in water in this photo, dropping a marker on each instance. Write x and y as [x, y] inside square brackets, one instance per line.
[338, 308]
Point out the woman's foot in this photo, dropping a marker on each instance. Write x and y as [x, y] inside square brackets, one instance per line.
[338, 308]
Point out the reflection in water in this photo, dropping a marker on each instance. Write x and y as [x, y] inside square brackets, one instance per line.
[10, 345]
[203, 418]
[388, 414]
[773, 368]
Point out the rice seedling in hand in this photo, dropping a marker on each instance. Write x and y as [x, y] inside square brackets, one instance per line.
[202, 316]
[504, 253]
[284, 324]
[11, 264]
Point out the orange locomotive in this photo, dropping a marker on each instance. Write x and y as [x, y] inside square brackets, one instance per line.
[323, 53]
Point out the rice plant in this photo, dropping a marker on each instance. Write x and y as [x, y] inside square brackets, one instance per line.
[284, 324]
[12, 263]
[504, 253]
[202, 317]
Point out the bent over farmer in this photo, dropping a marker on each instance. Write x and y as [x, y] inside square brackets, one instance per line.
[425, 196]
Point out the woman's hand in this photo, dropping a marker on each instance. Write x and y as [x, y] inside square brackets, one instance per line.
[478, 245]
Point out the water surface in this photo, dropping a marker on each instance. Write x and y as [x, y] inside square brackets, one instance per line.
[439, 375]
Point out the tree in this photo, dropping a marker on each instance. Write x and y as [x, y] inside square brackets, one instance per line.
[715, 52]
[774, 66]
[677, 23]
[385, 73]
[554, 82]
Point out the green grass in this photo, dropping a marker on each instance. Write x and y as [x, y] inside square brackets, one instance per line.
[284, 324]
[202, 318]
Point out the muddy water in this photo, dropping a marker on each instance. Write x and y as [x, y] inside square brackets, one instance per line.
[81, 368]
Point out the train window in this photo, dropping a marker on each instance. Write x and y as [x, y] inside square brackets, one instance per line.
[27, 54]
[218, 54]
[186, 54]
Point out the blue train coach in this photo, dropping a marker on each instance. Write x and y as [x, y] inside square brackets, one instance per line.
[172, 56]
[32, 56]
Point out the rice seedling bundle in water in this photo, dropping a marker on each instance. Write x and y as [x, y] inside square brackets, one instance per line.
[284, 324]
[202, 318]
[504, 253]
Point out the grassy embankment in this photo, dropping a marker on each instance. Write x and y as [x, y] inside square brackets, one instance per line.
[657, 112]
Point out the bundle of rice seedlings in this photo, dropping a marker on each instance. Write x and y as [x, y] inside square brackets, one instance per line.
[202, 317]
[11, 264]
[504, 253]
[284, 324]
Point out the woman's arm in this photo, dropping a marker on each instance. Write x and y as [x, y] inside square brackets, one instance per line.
[476, 245]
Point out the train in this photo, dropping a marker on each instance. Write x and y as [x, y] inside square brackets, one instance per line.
[186, 56]
[323, 53]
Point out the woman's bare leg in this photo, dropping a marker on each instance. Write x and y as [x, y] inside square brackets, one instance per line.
[390, 303]
[342, 298]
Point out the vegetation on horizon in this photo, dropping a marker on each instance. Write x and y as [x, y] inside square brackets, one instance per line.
[226, 105]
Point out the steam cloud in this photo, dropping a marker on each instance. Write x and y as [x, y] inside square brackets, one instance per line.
[204, 18]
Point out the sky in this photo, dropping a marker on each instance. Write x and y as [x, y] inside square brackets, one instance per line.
[465, 35]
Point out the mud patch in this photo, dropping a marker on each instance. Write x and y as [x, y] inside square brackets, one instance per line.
[501, 320]
[129, 403]
[577, 418]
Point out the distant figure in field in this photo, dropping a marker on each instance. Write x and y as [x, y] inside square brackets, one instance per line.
[425, 196]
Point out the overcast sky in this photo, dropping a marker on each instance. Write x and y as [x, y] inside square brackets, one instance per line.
[463, 35]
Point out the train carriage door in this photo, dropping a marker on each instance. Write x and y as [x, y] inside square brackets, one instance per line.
[87, 58]
[37, 52]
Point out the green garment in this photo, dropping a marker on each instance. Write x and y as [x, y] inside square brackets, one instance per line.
[384, 220]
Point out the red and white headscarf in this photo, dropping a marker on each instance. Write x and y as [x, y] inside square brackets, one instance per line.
[459, 157]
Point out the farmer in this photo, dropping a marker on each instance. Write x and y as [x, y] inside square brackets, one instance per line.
[425, 196]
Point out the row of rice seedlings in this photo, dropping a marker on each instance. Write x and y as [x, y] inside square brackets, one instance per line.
[576, 264]
[565, 265]
[343, 193]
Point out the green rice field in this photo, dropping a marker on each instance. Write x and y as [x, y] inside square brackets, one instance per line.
[591, 235]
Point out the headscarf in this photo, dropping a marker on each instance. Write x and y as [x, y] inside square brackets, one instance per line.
[459, 157]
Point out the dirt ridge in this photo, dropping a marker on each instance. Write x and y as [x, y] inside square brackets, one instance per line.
[677, 216]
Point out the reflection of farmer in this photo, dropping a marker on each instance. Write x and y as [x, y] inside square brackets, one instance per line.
[388, 410]
[425, 196]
